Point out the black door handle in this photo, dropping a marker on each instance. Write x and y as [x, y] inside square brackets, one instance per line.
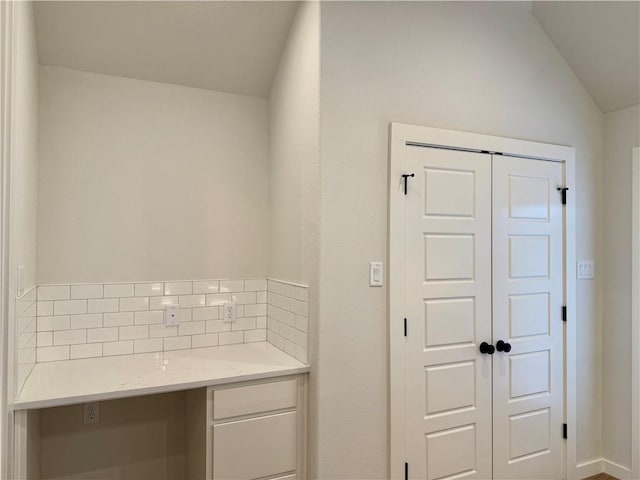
[486, 348]
[503, 346]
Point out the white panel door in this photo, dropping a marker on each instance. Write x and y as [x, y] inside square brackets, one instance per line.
[448, 305]
[527, 315]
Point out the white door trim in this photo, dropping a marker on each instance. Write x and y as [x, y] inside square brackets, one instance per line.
[635, 316]
[400, 136]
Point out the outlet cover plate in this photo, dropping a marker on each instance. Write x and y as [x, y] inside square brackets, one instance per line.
[91, 413]
[585, 270]
[229, 312]
[171, 315]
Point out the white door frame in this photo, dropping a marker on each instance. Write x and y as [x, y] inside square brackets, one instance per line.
[400, 136]
[635, 317]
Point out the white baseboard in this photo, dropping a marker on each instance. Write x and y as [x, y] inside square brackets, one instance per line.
[615, 470]
[589, 469]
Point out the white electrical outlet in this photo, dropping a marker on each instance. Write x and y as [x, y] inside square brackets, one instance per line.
[585, 270]
[171, 315]
[91, 413]
[229, 312]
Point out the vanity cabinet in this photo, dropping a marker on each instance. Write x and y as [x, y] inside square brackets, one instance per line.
[247, 431]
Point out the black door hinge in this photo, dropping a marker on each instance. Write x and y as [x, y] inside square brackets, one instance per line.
[564, 431]
[563, 192]
[564, 313]
[406, 471]
[405, 327]
[405, 178]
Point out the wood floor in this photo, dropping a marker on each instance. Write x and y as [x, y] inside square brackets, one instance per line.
[601, 476]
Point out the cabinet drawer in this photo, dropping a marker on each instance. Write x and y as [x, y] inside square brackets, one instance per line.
[250, 399]
[255, 447]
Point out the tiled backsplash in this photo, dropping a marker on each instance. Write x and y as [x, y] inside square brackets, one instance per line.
[81, 321]
[288, 312]
[26, 336]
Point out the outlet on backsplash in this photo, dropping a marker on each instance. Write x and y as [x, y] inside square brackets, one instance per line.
[229, 312]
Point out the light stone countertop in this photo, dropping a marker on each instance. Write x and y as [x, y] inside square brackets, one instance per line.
[93, 379]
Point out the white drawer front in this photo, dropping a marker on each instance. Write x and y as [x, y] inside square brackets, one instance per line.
[255, 447]
[263, 397]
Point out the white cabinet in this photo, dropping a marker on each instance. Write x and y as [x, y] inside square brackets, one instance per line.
[247, 431]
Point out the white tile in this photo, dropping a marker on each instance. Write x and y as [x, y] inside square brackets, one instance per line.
[149, 289]
[191, 301]
[117, 290]
[261, 297]
[52, 354]
[229, 338]
[135, 332]
[159, 303]
[191, 328]
[69, 337]
[54, 292]
[117, 348]
[178, 288]
[87, 350]
[261, 322]
[209, 286]
[207, 340]
[146, 318]
[255, 336]
[44, 308]
[118, 319]
[177, 343]
[147, 345]
[206, 313]
[255, 310]
[244, 298]
[109, 334]
[302, 294]
[44, 339]
[244, 324]
[302, 323]
[134, 304]
[46, 324]
[231, 286]
[69, 307]
[255, 285]
[162, 331]
[216, 326]
[298, 337]
[86, 291]
[218, 299]
[186, 315]
[91, 320]
[103, 305]
[281, 288]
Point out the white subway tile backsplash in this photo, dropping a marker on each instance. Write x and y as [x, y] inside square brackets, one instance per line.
[177, 343]
[90, 320]
[69, 337]
[86, 350]
[149, 317]
[206, 340]
[134, 304]
[86, 291]
[135, 332]
[95, 335]
[117, 290]
[104, 305]
[149, 289]
[117, 348]
[69, 307]
[209, 286]
[120, 319]
[147, 345]
[54, 292]
[178, 288]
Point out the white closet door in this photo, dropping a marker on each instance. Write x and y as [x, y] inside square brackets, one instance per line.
[448, 305]
[527, 314]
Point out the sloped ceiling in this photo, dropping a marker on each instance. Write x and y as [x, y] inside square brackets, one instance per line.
[230, 46]
[601, 42]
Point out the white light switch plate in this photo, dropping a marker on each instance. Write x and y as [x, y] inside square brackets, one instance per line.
[171, 315]
[585, 270]
[375, 274]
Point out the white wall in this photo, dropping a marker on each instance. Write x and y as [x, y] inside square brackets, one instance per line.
[479, 67]
[622, 133]
[142, 181]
